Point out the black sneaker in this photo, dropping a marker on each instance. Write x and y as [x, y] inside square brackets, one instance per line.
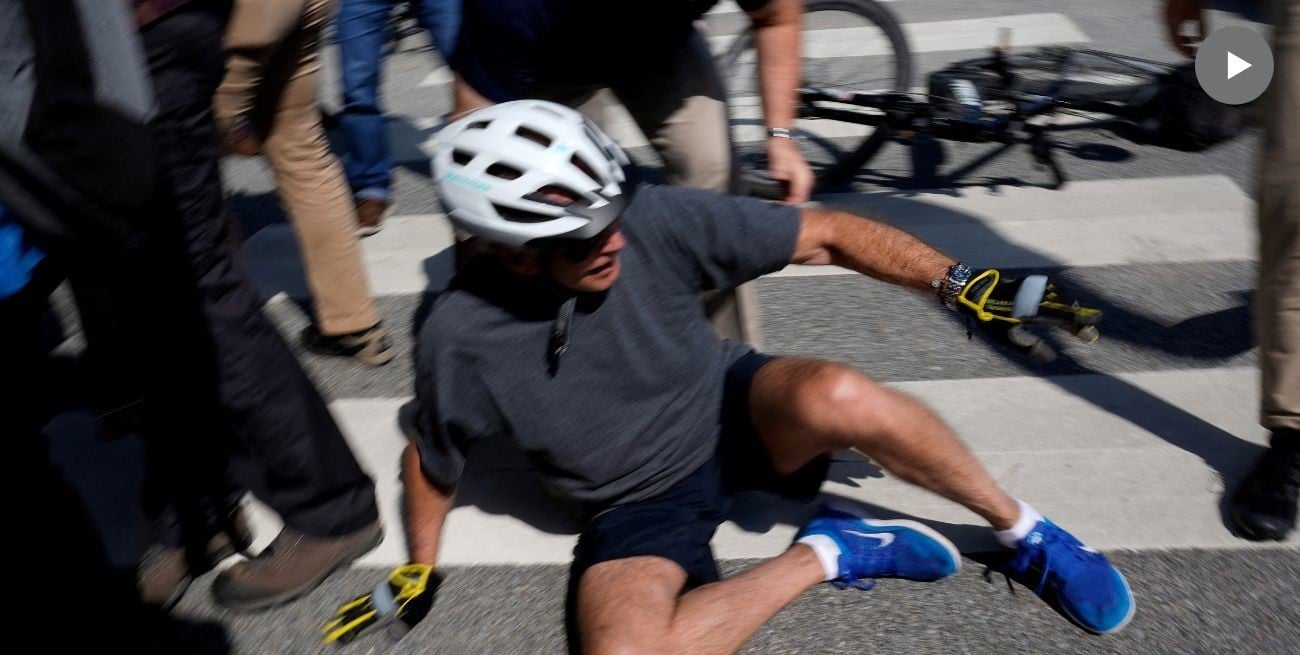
[1265, 505]
[369, 346]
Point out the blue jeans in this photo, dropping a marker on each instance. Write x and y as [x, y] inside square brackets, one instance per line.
[361, 30]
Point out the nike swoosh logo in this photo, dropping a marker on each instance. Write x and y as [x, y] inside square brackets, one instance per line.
[885, 538]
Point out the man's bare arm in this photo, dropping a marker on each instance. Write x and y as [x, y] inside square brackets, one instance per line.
[427, 507]
[829, 237]
[777, 33]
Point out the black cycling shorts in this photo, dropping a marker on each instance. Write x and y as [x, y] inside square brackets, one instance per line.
[678, 524]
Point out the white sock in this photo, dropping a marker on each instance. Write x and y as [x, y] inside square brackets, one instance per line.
[1029, 517]
[827, 553]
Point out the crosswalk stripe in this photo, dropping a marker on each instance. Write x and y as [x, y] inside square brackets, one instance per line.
[1089, 462]
[1097, 222]
[1089, 223]
[934, 36]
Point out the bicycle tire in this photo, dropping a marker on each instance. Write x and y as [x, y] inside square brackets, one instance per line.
[834, 159]
[1091, 74]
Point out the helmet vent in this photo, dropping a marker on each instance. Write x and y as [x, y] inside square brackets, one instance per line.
[586, 168]
[461, 157]
[478, 125]
[554, 194]
[534, 136]
[521, 215]
[504, 171]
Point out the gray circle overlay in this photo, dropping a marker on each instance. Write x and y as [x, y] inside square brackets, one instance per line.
[1212, 65]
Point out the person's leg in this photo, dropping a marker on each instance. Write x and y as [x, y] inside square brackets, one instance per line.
[1265, 505]
[308, 472]
[305, 469]
[644, 576]
[442, 19]
[802, 408]
[636, 604]
[256, 30]
[311, 181]
[682, 110]
[361, 27]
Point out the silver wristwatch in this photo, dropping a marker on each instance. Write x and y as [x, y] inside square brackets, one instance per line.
[950, 286]
[780, 133]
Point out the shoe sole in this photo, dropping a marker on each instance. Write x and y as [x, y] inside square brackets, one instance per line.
[246, 605]
[383, 357]
[1251, 533]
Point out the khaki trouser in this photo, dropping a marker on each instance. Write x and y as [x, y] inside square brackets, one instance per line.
[1278, 301]
[271, 80]
[683, 114]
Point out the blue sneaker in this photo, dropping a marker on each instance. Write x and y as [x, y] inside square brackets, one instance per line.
[871, 548]
[1075, 579]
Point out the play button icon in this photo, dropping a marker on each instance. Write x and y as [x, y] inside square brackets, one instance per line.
[1234, 65]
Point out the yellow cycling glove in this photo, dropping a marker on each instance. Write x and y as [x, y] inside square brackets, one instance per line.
[398, 603]
[1004, 306]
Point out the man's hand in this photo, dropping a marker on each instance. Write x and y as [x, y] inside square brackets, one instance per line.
[400, 602]
[1004, 307]
[786, 164]
[1179, 12]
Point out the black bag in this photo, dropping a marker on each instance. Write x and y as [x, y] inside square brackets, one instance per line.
[1184, 117]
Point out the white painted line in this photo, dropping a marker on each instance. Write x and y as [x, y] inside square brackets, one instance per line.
[411, 254]
[440, 75]
[1091, 223]
[934, 36]
[1091, 458]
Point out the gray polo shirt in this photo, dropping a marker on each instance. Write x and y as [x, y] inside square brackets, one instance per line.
[634, 403]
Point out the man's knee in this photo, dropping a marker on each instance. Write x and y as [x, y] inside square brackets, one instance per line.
[626, 606]
[840, 403]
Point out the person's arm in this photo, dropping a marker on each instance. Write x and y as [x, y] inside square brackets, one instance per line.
[777, 32]
[466, 99]
[829, 237]
[1000, 304]
[1179, 12]
[427, 506]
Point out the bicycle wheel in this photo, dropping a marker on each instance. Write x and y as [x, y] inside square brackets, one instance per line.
[847, 44]
[1078, 74]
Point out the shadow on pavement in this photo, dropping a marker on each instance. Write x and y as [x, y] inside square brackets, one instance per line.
[1217, 335]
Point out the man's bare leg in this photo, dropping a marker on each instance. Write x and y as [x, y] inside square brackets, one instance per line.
[636, 605]
[805, 407]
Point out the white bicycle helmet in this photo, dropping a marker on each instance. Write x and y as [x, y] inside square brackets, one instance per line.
[494, 167]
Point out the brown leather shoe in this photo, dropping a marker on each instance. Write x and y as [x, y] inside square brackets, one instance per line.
[165, 573]
[370, 215]
[370, 346]
[163, 577]
[291, 566]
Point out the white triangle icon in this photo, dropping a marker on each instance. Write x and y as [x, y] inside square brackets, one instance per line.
[1236, 65]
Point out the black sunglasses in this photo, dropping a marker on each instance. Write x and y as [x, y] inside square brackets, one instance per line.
[576, 250]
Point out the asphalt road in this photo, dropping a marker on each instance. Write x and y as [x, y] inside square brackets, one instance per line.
[1162, 419]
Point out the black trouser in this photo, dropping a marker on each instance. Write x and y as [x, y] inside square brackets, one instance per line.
[302, 466]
